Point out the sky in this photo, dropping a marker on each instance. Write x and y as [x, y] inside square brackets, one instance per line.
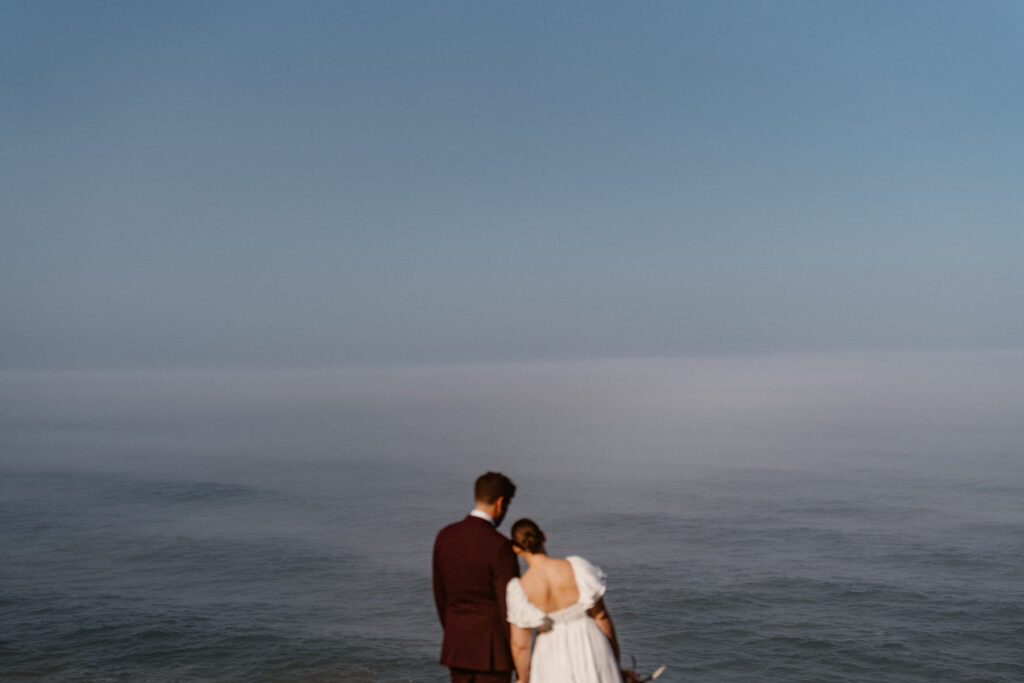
[298, 184]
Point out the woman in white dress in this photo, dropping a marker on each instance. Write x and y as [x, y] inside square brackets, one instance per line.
[562, 600]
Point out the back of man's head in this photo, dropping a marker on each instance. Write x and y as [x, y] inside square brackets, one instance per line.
[493, 485]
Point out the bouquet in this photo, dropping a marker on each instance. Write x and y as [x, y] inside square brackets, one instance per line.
[631, 676]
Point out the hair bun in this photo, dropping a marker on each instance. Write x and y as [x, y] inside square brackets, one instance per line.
[528, 536]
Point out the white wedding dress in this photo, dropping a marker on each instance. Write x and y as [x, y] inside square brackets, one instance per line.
[569, 647]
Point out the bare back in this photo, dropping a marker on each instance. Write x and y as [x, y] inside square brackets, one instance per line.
[551, 586]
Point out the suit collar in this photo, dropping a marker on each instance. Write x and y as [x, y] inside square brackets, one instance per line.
[480, 514]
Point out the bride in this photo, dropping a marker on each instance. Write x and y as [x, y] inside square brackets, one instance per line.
[562, 600]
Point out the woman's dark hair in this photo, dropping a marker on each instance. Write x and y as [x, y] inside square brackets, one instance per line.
[528, 536]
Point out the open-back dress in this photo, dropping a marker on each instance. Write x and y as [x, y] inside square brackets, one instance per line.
[569, 647]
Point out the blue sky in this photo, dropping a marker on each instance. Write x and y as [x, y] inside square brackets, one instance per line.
[293, 184]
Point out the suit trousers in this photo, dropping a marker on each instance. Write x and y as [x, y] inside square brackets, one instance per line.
[468, 676]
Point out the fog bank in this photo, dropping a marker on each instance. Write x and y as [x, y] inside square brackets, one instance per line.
[771, 411]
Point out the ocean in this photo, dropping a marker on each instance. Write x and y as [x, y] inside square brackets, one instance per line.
[165, 549]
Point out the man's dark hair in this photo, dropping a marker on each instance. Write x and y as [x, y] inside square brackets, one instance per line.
[493, 485]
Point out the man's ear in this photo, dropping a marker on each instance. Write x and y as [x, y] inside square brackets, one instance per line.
[499, 504]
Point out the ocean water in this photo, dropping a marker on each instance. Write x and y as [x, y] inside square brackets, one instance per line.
[783, 519]
[320, 570]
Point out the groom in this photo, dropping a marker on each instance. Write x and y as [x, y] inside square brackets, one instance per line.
[472, 565]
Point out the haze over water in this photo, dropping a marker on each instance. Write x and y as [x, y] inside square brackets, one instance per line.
[771, 518]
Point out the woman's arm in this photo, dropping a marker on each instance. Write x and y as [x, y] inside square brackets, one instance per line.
[604, 622]
[521, 652]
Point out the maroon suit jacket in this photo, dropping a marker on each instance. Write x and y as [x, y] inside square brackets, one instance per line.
[473, 563]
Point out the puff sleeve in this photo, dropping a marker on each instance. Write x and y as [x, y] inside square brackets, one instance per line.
[522, 612]
[589, 580]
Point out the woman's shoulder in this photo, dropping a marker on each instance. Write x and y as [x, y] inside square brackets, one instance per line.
[514, 591]
[590, 580]
[582, 563]
[521, 612]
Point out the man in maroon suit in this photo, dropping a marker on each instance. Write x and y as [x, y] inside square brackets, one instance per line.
[472, 565]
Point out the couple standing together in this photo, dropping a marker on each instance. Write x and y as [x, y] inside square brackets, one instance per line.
[489, 613]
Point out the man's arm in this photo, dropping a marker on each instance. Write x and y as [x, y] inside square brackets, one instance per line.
[439, 592]
[505, 569]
